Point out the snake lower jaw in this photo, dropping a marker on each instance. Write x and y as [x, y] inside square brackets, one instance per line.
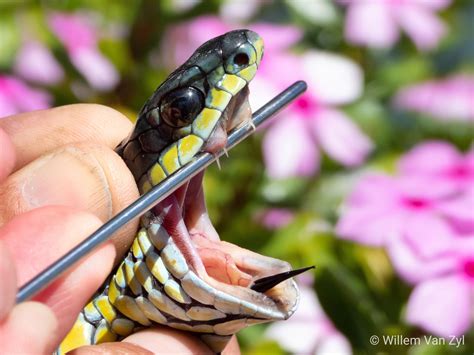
[223, 266]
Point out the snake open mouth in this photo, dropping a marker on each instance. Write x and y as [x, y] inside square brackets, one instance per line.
[178, 272]
[222, 265]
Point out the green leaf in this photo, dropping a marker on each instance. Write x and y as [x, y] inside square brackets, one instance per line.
[9, 40]
[402, 71]
[346, 300]
[253, 341]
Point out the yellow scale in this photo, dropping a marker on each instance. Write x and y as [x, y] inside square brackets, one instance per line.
[173, 158]
[183, 151]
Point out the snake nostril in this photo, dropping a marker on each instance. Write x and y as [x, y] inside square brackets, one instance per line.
[241, 59]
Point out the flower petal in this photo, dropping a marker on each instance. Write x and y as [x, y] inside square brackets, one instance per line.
[35, 62]
[459, 210]
[370, 226]
[429, 157]
[294, 337]
[332, 78]
[369, 189]
[371, 23]
[305, 329]
[341, 138]
[277, 37]
[334, 344]
[451, 98]
[414, 193]
[289, 150]
[414, 258]
[6, 106]
[97, 69]
[278, 62]
[423, 27]
[20, 97]
[441, 306]
[371, 211]
[74, 31]
[429, 235]
[262, 90]
[181, 40]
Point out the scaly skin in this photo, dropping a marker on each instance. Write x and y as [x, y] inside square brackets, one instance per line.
[178, 273]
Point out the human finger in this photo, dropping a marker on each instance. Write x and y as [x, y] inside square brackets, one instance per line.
[160, 340]
[87, 177]
[30, 328]
[34, 243]
[111, 348]
[38, 132]
[7, 155]
[167, 340]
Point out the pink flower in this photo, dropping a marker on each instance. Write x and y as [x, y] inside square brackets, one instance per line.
[35, 62]
[80, 39]
[292, 144]
[441, 264]
[433, 184]
[309, 330]
[448, 99]
[378, 23]
[424, 218]
[16, 97]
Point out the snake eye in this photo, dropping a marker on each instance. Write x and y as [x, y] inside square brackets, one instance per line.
[241, 59]
[244, 56]
[181, 106]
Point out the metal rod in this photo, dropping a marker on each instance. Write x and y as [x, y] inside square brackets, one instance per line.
[155, 195]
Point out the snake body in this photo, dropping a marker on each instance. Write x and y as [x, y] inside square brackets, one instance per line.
[173, 273]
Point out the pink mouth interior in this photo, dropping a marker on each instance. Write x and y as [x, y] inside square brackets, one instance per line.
[186, 219]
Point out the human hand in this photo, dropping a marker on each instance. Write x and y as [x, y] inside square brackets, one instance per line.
[59, 181]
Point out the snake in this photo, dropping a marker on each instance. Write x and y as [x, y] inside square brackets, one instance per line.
[178, 272]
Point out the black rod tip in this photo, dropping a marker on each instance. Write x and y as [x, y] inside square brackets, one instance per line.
[266, 283]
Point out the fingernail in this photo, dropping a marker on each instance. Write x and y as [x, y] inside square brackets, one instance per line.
[70, 177]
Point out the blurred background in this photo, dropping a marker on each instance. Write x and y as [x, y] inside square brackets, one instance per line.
[369, 175]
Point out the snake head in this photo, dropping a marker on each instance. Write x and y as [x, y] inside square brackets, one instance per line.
[194, 108]
[219, 287]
